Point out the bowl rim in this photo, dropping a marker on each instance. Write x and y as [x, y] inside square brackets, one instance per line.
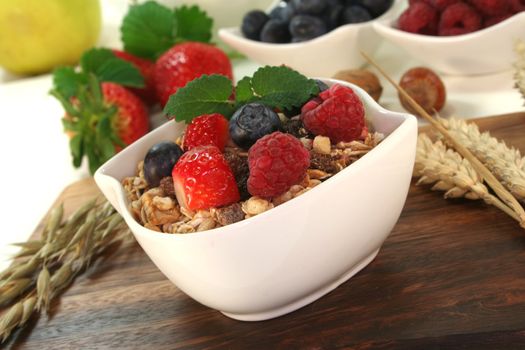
[387, 26]
[142, 231]
[236, 31]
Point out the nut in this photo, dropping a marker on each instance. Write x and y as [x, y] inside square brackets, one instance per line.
[255, 206]
[322, 145]
[363, 78]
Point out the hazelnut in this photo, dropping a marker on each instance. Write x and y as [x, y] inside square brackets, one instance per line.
[425, 87]
[363, 78]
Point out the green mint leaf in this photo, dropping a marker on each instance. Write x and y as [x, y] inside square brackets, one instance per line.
[66, 81]
[193, 24]
[243, 90]
[204, 95]
[107, 67]
[148, 30]
[282, 87]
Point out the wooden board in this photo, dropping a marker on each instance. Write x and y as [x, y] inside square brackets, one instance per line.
[450, 276]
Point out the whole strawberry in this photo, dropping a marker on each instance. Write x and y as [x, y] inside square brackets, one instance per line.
[206, 130]
[146, 67]
[131, 120]
[202, 179]
[185, 62]
[337, 113]
[101, 116]
[277, 162]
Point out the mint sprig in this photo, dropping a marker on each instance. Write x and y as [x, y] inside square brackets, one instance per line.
[149, 29]
[204, 95]
[277, 87]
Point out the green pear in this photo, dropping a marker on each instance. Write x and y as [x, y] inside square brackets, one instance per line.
[38, 35]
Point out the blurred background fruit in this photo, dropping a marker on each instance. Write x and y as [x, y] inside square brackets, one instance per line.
[37, 35]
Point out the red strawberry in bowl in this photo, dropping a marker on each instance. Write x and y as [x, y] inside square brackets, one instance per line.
[203, 179]
[185, 62]
[205, 130]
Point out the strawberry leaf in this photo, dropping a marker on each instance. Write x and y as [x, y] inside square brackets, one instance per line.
[92, 59]
[107, 67]
[282, 87]
[204, 95]
[66, 81]
[76, 147]
[193, 24]
[148, 30]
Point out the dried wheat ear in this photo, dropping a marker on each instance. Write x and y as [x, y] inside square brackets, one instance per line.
[448, 171]
[505, 162]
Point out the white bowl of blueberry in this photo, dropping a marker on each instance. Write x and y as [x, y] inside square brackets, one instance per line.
[458, 37]
[315, 37]
[255, 213]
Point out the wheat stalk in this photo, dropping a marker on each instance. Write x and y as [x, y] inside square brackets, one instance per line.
[45, 267]
[503, 161]
[451, 173]
[500, 190]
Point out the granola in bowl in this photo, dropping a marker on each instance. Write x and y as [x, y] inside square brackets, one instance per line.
[156, 208]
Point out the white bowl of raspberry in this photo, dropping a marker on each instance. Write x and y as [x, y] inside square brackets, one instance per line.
[293, 38]
[458, 37]
[287, 257]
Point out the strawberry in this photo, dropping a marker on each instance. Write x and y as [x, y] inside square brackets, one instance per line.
[131, 120]
[147, 94]
[101, 116]
[207, 129]
[185, 62]
[202, 179]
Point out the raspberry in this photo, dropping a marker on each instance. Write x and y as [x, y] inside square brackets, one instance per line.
[277, 162]
[458, 19]
[491, 7]
[205, 130]
[419, 18]
[202, 179]
[517, 6]
[490, 21]
[441, 5]
[337, 113]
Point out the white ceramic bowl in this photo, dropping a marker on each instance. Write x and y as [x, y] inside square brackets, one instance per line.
[323, 56]
[287, 257]
[485, 51]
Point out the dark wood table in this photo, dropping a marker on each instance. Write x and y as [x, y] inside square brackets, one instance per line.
[450, 276]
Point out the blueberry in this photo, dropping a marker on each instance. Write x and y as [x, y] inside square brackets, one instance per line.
[282, 12]
[355, 14]
[305, 27]
[252, 24]
[332, 15]
[251, 122]
[275, 31]
[310, 7]
[159, 161]
[377, 7]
